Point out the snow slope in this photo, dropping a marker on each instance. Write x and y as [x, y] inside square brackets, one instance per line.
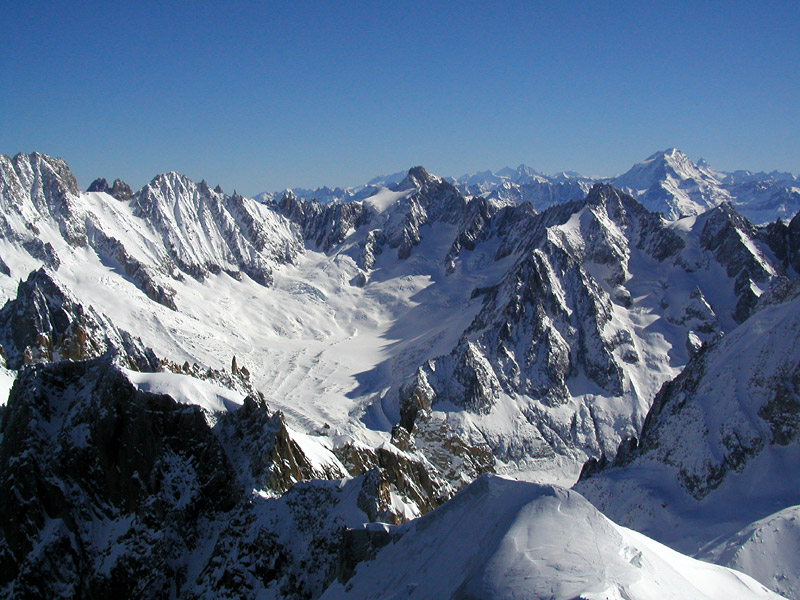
[727, 427]
[768, 550]
[505, 539]
[719, 451]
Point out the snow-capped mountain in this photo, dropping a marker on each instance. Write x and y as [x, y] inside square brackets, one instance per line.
[569, 321]
[389, 349]
[327, 195]
[669, 182]
[598, 303]
[725, 429]
[503, 539]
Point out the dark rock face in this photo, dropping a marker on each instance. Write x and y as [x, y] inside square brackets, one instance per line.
[325, 225]
[784, 241]
[530, 339]
[434, 200]
[43, 324]
[40, 184]
[724, 234]
[113, 253]
[729, 413]
[119, 190]
[261, 441]
[360, 545]
[42, 251]
[80, 443]
[385, 471]
[98, 185]
[106, 490]
[429, 199]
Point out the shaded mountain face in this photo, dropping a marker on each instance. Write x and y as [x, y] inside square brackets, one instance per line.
[768, 550]
[727, 426]
[712, 471]
[109, 489]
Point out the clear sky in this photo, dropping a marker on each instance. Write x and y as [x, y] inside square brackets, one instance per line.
[264, 95]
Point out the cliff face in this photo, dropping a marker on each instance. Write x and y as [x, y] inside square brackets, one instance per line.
[109, 490]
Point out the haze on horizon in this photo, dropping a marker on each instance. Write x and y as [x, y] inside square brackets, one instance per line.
[263, 96]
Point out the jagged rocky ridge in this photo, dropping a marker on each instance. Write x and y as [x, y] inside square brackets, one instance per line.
[420, 199]
[169, 228]
[560, 335]
[565, 311]
[668, 182]
[111, 490]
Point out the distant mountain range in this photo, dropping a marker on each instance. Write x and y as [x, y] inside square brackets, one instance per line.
[667, 182]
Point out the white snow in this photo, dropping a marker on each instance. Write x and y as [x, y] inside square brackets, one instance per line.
[768, 550]
[7, 379]
[502, 539]
[188, 390]
[384, 198]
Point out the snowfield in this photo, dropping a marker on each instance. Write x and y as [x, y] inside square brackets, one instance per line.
[502, 539]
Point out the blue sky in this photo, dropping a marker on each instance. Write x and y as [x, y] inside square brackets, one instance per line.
[265, 95]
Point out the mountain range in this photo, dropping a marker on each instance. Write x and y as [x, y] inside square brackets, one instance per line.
[215, 395]
[668, 182]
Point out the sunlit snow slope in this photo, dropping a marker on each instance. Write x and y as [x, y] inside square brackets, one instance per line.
[501, 539]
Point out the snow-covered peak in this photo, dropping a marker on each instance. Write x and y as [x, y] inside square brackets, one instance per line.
[502, 539]
[206, 231]
[670, 183]
[32, 184]
[666, 163]
[417, 177]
